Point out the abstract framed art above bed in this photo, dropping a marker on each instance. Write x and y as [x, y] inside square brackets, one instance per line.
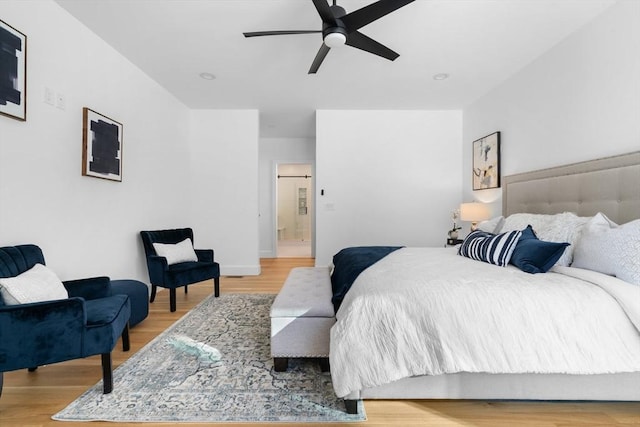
[609, 185]
[13, 72]
[486, 162]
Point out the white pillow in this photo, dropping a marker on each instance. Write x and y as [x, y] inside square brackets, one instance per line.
[519, 221]
[493, 225]
[34, 285]
[609, 248]
[559, 228]
[180, 252]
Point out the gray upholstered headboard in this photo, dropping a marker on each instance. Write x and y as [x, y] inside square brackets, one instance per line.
[609, 185]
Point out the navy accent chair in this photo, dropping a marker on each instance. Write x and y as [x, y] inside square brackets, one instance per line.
[88, 323]
[181, 274]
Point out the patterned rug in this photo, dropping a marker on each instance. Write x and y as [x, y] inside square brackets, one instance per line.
[213, 365]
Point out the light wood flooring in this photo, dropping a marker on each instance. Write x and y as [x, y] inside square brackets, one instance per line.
[29, 399]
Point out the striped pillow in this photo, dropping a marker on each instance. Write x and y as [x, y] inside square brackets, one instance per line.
[488, 247]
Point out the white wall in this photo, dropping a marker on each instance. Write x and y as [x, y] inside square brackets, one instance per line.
[578, 101]
[224, 187]
[389, 178]
[273, 151]
[88, 226]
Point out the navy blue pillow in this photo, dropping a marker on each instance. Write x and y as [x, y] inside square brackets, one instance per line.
[532, 255]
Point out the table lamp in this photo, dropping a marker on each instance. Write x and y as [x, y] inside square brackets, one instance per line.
[474, 212]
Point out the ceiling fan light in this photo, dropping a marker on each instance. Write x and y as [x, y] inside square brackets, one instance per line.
[335, 39]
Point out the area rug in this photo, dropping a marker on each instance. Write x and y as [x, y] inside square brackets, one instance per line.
[213, 365]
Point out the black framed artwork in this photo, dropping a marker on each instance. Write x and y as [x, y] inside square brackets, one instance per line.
[13, 72]
[101, 146]
[486, 162]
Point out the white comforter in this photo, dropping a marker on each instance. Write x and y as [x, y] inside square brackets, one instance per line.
[422, 311]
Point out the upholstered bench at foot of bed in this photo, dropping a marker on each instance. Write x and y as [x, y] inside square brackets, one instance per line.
[301, 317]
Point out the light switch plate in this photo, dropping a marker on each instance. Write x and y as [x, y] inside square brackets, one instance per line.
[61, 101]
[49, 96]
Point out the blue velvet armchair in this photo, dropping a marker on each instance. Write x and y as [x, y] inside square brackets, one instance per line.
[88, 323]
[172, 276]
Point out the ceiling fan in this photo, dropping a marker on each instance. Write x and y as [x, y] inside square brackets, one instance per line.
[340, 27]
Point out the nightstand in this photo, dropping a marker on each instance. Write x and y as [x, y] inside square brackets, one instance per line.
[453, 242]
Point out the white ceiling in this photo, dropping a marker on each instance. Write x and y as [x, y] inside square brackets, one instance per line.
[479, 43]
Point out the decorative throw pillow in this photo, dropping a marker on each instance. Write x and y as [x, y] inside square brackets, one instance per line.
[559, 228]
[34, 285]
[488, 247]
[609, 248]
[176, 253]
[493, 225]
[532, 255]
[566, 227]
[520, 221]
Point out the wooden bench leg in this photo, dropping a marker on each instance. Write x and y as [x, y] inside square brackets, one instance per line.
[324, 364]
[280, 364]
[351, 405]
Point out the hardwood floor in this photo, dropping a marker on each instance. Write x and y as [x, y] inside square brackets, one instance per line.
[29, 399]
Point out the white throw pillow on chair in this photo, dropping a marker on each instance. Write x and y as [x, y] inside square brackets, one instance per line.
[176, 253]
[34, 285]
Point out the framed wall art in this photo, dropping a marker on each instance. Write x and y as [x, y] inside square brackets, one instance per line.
[486, 162]
[101, 146]
[13, 72]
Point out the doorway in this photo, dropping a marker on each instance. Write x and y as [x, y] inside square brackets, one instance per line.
[294, 210]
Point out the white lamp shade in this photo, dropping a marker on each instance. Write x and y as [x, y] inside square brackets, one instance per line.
[474, 212]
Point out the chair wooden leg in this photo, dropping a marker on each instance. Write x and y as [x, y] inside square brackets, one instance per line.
[216, 286]
[172, 299]
[280, 364]
[154, 288]
[107, 374]
[125, 338]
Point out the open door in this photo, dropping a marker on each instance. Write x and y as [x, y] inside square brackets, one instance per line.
[294, 211]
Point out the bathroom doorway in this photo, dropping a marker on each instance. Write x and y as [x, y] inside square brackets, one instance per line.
[294, 210]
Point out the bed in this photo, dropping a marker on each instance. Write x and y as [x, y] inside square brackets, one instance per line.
[602, 311]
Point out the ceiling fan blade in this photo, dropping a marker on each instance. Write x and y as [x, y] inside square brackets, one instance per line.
[362, 42]
[279, 33]
[324, 10]
[359, 18]
[324, 49]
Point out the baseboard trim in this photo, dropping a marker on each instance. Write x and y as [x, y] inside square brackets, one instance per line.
[267, 254]
[240, 270]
